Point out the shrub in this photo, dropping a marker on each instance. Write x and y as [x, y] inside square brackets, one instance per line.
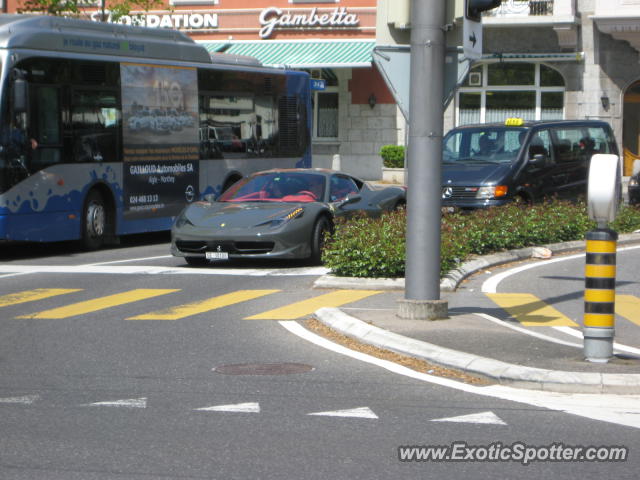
[365, 247]
[392, 156]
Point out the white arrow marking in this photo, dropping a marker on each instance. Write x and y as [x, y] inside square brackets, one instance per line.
[361, 412]
[248, 407]
[129, 403]
[26, 400]
[484, 417]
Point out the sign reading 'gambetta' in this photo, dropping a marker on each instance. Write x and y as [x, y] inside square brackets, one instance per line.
[273, 17]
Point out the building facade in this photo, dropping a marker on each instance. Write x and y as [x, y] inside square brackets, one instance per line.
[353, 112]
[547, 59]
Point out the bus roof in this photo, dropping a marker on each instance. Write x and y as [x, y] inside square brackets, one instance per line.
[60, 34]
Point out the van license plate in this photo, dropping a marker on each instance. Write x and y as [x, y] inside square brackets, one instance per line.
[217, 255]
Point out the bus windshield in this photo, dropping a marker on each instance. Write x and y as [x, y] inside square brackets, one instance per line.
[483, 145]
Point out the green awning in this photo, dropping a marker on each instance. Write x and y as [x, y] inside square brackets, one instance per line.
[302, 54]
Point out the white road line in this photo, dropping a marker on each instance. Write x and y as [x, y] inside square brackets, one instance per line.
[528, 332]
[129, 260]
[618, 409]
[151, 270]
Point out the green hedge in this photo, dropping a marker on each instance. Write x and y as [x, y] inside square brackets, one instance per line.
[366, 247]
[392, 156]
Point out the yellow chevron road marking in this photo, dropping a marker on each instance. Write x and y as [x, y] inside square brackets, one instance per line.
[182, 311]
[100, 303]
[628, 306]
[307, 307]
[33, 295]
[530, 311]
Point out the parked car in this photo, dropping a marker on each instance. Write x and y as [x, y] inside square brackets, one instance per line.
[492, 164]
[276, 214]
[634, 184]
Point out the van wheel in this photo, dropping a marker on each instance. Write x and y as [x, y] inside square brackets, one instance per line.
[522, 200]
[94, 221]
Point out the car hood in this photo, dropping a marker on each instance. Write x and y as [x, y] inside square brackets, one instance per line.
[474, 174]
[237, 215]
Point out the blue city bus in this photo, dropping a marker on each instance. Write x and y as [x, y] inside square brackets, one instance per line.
[109, 130]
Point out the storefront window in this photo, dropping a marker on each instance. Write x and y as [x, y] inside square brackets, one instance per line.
[327, 117]
[496, 91]
[552, 105]
[511, 74]
[470, 107]
[505, 104]
[550, 77]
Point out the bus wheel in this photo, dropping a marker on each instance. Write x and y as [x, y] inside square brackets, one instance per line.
[94, 221]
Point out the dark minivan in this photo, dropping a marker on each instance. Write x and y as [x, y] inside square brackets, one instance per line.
[492, 164]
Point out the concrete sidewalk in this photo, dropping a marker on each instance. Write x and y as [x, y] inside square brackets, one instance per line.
[479, 344]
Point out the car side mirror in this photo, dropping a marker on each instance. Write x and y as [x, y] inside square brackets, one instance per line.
[349, 199]
[539, 160]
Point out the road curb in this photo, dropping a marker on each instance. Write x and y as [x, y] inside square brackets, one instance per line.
[501, 372]
[450, 282]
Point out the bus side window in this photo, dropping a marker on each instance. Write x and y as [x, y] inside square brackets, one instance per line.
[46, 127]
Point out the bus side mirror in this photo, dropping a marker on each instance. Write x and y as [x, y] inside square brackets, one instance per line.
[20, 93]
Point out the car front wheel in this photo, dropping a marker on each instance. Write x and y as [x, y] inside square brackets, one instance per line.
[320, 229]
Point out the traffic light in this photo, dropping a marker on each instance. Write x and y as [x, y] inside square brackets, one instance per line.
[473, 8]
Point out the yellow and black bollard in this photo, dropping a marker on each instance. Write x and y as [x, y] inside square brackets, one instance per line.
[600, 295]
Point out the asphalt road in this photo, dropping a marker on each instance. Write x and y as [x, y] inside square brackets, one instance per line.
[96, 382]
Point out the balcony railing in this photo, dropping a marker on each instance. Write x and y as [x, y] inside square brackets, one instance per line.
[510, 8]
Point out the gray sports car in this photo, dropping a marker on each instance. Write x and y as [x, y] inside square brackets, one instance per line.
[276, 214]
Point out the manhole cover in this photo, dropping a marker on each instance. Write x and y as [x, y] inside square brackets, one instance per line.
[263, 368]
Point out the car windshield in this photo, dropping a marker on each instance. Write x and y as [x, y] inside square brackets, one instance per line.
[292, 187]
[483, 145]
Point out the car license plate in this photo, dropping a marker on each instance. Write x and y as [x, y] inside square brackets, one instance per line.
[217, 255]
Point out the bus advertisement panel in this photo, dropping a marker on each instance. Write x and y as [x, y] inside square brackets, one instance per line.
[160, 139]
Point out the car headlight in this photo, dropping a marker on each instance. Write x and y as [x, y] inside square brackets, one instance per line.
[276, 222]
[495, 191]
[633, 182]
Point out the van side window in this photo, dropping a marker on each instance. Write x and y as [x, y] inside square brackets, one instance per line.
[600, 140]
[567, 144]
[540, 144]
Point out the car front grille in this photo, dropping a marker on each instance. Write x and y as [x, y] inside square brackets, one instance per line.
[458, 193]
[239, 248]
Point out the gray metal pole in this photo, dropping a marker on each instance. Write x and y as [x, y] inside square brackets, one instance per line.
[422, 277]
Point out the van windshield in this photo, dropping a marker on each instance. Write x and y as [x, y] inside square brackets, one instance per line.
[483, 145]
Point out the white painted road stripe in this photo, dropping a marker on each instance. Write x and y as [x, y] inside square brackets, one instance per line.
[150, 270]
[249, 407]
[128, 403]
[483, 417]
[360, 412]
[25, 400]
